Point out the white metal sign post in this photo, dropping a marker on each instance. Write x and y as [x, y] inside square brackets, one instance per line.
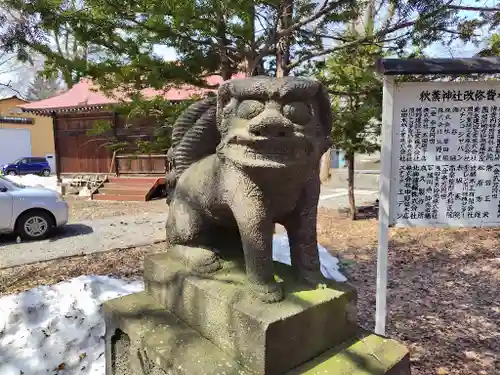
[440, 159]
[384, 205]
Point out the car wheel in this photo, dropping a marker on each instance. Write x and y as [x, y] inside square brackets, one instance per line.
[46, 173]
[11, 173]
[35, 225]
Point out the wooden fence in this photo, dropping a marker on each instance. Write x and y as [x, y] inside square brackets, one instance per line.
[141, 164]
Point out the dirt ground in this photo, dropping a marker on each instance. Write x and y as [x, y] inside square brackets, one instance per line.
[443, 285]
[442, 295]
[84, 209]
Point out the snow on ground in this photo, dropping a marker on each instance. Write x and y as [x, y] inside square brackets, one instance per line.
[329, 263]
[59, 329]
[35, 181]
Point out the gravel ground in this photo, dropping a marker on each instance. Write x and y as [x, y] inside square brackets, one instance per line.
[97, 226]
[336, 198]
[86, 209]
[93, 226]
[86, 237]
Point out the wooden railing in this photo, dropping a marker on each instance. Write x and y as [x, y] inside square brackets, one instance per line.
[127, 164]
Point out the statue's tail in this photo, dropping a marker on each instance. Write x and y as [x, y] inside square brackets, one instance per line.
[194, 136]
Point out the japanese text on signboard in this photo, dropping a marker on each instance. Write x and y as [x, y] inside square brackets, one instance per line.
[448, 155]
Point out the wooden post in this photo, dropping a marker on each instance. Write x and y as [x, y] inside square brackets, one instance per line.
[115, 133]
[55, 132]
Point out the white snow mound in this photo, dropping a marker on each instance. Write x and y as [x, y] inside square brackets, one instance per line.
[59, 329]
[329, 263]
[35, 181]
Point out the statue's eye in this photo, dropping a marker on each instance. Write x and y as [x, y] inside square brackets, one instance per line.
[249, 109]
[297, 112]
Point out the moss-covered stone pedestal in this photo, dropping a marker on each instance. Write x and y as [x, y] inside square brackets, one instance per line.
[184, 324]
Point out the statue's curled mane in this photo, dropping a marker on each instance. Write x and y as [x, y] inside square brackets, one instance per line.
[194, 136]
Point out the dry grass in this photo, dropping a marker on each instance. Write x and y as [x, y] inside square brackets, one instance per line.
[123, 263]
[443, 290]
[85, 209]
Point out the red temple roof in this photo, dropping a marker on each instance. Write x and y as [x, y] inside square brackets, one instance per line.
[85, 95]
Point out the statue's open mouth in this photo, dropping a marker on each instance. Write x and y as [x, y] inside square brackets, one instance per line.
[267, 146]
[266, 151]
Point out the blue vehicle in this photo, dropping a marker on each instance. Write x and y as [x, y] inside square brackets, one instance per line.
[28, 165]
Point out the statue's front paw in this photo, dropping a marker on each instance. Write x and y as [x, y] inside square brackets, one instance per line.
[268, 293]
[209, 265]
[313, 277]
[198, 260]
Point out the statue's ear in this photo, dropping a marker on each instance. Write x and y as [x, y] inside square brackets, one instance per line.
[325, 109]
[223, 97]
[325, 115]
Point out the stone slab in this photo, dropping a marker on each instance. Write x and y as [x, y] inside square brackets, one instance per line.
[265, 338]
[364, 354]
[142, 338]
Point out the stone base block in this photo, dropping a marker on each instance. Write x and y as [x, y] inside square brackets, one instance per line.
[365, 354]
[142, 338]
[265, 338]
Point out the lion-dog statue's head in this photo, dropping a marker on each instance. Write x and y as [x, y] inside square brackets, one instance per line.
[273, 122]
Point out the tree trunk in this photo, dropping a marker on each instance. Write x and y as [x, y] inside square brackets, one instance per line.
[283, 45]
[225, 69]
[225, 63]
[67, 78]
[226, 72]
[350, 184]
[251, 69]
[324, 167]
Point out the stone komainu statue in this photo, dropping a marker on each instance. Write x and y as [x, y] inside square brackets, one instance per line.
[245, 160]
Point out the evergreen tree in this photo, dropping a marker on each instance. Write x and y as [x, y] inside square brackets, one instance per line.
[356, 93]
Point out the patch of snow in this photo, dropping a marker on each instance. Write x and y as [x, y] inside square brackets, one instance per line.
[59, 329]
[84, 192]
[329, 263]
[35, 181]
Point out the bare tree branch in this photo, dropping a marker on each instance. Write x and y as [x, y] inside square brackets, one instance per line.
[276, 35]
[324, 36]
[383, 32]
[454, 31]
[347, 93]
[9, 86]
[6, 60]
[324, 10]
[472, 8]
[369, 39]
